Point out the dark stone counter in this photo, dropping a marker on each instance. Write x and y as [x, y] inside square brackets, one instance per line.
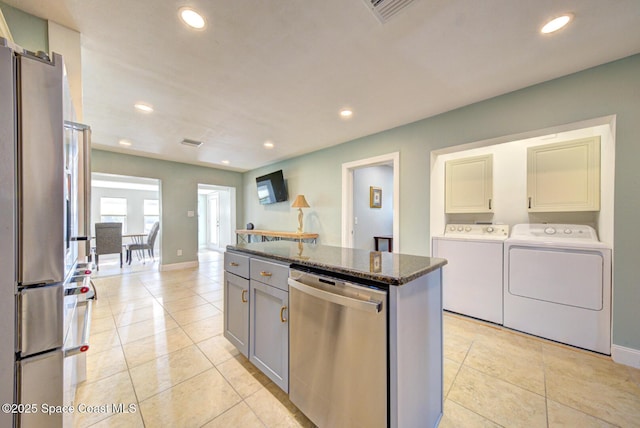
[383, 267]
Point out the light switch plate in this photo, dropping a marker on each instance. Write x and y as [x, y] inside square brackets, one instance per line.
[190, 213]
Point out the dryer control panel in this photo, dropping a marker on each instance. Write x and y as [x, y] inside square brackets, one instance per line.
[555, 231]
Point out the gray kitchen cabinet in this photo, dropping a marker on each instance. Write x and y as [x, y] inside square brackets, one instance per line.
[236, 301]
[268, 321]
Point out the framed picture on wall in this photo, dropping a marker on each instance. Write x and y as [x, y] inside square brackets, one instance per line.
[375, 197]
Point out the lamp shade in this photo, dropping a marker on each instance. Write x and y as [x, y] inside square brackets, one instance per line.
[300, 202]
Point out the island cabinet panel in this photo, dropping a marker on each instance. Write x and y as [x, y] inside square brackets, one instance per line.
[416, 352]
[269, 332]
[236, 301]
[236, 311]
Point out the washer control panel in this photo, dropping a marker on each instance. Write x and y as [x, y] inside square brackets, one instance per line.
[479, 230]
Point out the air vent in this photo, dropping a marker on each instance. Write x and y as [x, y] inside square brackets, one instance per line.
[385, 9]
[191, 143]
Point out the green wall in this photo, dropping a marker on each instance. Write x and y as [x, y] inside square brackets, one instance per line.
[28, 31]
[610, 89]
[178, 194]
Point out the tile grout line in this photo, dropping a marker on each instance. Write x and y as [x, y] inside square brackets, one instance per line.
[193, 343]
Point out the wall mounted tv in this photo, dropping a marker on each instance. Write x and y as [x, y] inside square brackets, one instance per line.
[271, 188]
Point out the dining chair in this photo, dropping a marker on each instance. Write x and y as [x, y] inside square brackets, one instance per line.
[108, 240]
[142, 246]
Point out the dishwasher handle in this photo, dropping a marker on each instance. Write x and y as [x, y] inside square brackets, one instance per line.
[374, 306]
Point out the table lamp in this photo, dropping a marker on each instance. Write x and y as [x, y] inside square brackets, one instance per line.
[300, 203]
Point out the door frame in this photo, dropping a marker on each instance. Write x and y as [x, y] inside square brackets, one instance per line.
[210, 216]
[231, 211]
[348, 169]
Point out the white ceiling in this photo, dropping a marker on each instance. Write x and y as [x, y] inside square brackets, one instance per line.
[281, 70]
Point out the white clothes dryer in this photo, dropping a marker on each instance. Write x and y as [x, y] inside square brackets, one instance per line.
[557, 284]
[472, 278]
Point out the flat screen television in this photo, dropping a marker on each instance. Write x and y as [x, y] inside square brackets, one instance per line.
[271, 188]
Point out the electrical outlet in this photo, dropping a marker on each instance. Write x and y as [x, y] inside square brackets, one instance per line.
[179, 252]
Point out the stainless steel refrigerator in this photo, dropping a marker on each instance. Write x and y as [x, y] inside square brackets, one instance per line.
[38, 238]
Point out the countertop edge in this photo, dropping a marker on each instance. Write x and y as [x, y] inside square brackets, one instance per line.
[372, 276]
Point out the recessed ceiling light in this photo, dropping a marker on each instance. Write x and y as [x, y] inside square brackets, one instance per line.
[192, 18]
[268, 144]
[226, 162]
[556, 23]
[146, 108]
[126, 143]
[346, 113]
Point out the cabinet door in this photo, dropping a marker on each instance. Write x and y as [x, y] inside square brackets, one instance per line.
[564, 176]
[269, 343]
[236, 312]
[469, 185]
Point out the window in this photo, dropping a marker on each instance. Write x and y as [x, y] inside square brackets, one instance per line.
[114, 210]
[151, 213]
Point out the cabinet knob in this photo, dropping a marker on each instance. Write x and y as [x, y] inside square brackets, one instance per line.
[282, 318]
[263, 273]
[243, 296]
[234, 264]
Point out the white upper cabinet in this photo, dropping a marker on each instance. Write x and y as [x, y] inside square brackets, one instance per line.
[564, 176]
[469, 185]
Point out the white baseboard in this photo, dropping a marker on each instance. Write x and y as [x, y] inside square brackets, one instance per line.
[626, 356]
[178, 266]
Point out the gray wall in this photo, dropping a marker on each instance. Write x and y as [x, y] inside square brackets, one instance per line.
[612, 88]
[178, 194]
[28, 31]
[372, 221]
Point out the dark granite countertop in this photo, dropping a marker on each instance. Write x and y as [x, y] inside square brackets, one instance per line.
[383, 267]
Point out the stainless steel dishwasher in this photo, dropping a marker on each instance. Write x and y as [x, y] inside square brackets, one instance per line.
[338, 350]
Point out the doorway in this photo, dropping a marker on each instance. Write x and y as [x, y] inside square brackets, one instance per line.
[216, 217]
[135, 202]
[353, 227]
[213, 220]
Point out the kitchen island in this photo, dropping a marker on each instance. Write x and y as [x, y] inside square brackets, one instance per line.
[395, 360]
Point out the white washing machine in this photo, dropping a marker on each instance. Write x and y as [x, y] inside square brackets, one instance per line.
[472, 278]
[557, 284]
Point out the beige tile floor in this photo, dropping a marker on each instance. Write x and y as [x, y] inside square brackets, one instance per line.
[156, 342]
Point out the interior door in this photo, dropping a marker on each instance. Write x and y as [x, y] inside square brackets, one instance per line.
[213, 214]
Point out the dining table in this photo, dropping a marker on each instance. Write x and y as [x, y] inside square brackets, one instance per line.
[136, 238]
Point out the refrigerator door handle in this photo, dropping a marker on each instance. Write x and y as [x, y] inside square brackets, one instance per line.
[83, 346]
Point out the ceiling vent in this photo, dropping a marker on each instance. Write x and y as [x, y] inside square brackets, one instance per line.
[385, 9]
[191, 143]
